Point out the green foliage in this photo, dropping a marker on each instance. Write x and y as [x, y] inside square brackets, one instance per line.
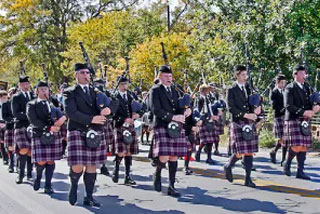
[266, 138]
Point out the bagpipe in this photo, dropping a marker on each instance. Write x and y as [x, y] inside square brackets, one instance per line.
[184, 100]
[102, 100]
[315, 97]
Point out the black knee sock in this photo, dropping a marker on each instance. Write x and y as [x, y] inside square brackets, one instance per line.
[187, 160]
[291, 155]
[216, 146]
[11, 158]
[39, 170]
[301, 157]
[173, 165]
[284, 153]
[22, 165]
[29, 166]
[200, 147]
[4, 152]
[49, 173]
[74, 177]
[89, 181]
[277, 147]
[248, 162]
[209, 150]
[127, 163]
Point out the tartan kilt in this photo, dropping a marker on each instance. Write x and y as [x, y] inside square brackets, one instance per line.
[8, 137]
[293, 136]
[63, 131]
[20, 139]
[80, 154]
[207, 137]
[109, 134]
[278, 127]
[238, 144]
[40, 152]
[2, 135]
[164, 145]
[121, 147]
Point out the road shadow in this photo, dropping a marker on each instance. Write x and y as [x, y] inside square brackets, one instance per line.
[196, 195]
[61, 176]
[113, 205]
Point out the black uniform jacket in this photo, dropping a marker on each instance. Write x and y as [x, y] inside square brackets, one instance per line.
[7, 115]
[39, 117]
[124, 110]
[80, 108]
[277, 103]
[19, 106]
[163, 105]
[296, 100]
[238, 104]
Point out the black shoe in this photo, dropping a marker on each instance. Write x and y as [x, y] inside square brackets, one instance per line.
[6, 162]
[72, 196]
[129, 181]
[273, 157]
[36, 184]
[173, 192]
[286, 169]
[90, 202]
[198, 156]
[228, 173]
[10, 169]
[48, 190]
[303, 176]
[216, 153]
[188, 171]
[19, 180]
[249, 183]
[157, 183]
[282, 162]
[115, 177]
[104, 171]
[154, 162]
[210, 161]
[29, 178]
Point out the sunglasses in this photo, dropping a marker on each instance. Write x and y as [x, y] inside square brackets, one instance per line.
[84, 72]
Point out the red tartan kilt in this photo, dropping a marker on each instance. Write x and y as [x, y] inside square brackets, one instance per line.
[238, 144]
[278, 127]
[80, 154]
[8, 137]
[209, 137]
[164, 145]
[40, 152]
[20, 139]
[109, 133]
[121, 147]
[293, 136]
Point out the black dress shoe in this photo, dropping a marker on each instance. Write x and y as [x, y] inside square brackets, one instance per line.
[228, 173]
[129, 181]
[198, 156]
[19, 180]
[273, 157]
[10, 170]
[90, 202]
[286, 169]
[173, 192]
[48, 190]
[36, 184]
[5, 162]
[249, 183]
[72, 195]
[210, 161]
[302, 175]
[188, 171]
[104, 171]
[115, 177]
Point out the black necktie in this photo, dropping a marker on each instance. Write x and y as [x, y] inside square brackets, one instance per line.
[125, 97]
[244, 91]
[27, 96]
[169, 91]
[87, 92]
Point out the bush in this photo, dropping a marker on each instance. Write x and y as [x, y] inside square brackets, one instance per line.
[266, 138]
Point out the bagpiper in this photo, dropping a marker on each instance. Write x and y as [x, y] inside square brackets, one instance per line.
[243, 134]
[297, 129]
[277, 100]
[126, 140]
[46, 141]
[22, 138]
[169, 135]
[3, 99]
[86, 139]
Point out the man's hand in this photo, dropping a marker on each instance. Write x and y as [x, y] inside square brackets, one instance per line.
[135, 116]
[214, 117]
[199, 123]
[179, 118]
[106, 111]
[250, 116]
[195, 129]
[100, 120]
[129, 120]
[60, 121]
[2, 125]
[54, 128]
[308, 114]
[187, 112]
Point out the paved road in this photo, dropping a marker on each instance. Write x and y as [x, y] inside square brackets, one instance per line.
[204, 192]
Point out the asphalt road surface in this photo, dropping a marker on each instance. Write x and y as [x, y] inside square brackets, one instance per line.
[206, 191]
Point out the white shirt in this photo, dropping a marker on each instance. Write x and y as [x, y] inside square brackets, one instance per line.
[83, 86]
[25, 94]
[123, 94]
[242, 87]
